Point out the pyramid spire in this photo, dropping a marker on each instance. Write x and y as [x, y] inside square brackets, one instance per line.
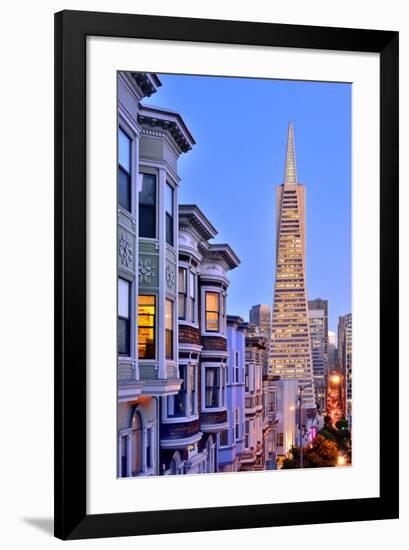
[290, 175]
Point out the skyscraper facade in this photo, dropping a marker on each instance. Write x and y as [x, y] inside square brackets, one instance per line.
[345, 358]
[260, 315]
[290, 348]
[318, 352]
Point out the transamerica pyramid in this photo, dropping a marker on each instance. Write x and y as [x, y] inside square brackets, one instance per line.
[290, 347]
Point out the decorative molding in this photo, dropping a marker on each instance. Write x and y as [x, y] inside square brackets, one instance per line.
[125, 250]
[146, 271]
[170, 277]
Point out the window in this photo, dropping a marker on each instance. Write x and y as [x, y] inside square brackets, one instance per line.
[246, 434]
[187, 295]
[146, 327]
[182, 293]
[177, 403]
[192, 296]
[169, 213]
[136, 446]
[237, 424]
[169, 328]
[224, 438]
[212, 312]
[123, 443]
[192, 389]
[183, 404]
[212, 386]
[149, 448]
[280, 439]
[236, 367]
[124, 170]
[124, 317]
[147, 206]
[246, 377]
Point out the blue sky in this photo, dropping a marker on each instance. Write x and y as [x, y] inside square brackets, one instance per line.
[240, 129]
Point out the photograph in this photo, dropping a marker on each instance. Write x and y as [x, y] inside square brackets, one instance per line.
[234, 328]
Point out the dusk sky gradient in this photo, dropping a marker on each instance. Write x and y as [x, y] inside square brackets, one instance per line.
[240, 129]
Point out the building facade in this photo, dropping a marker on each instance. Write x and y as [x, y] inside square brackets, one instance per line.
[319, 353]
[290, 347]
[260, 315]
[192, 420]
[252, 457]
[231, 440]
[150, 141]
[345, 359]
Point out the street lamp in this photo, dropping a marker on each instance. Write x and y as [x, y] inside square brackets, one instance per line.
[302, 388]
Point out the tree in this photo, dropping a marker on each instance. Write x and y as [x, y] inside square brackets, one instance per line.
[321, 454]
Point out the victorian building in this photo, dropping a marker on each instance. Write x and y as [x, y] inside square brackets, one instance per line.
[252, 457]
[231, 440]
[150, 141]
[193, 419]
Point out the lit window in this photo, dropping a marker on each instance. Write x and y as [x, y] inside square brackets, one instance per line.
[124, 170]
[124, 317]
[169, 328]
[169, 213]
[147, 206]
[146, 327]
[212, 312]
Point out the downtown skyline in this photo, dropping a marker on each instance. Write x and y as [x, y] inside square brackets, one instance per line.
[251, 154]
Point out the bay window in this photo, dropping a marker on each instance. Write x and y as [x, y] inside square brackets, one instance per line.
[187, 295]
[212, 301]
[147, 206]
[124, 170]
[124, 317]
[169, 213]
[146, 326]
[212, 380]
[214, 386]
[183, 404]
[182, 293]
[169, 328]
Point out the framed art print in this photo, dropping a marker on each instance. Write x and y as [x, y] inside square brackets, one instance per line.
[226, 274]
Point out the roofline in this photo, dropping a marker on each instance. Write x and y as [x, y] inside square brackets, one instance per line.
[167, 116]
[207, 230]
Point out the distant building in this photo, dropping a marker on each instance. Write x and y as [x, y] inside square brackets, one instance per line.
[319, 337]
[260, 315]
[332, 355]
[286, 409]
[345, 358]
[290, 348]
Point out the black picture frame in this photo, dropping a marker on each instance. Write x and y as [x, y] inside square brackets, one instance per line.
[71, 31]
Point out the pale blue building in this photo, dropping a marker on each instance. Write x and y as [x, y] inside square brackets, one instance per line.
[230, 442]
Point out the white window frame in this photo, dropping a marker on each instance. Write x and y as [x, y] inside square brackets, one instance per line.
[165, 409]
[127, 433]
[222, 310]
[222, 386]
[189, 270]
